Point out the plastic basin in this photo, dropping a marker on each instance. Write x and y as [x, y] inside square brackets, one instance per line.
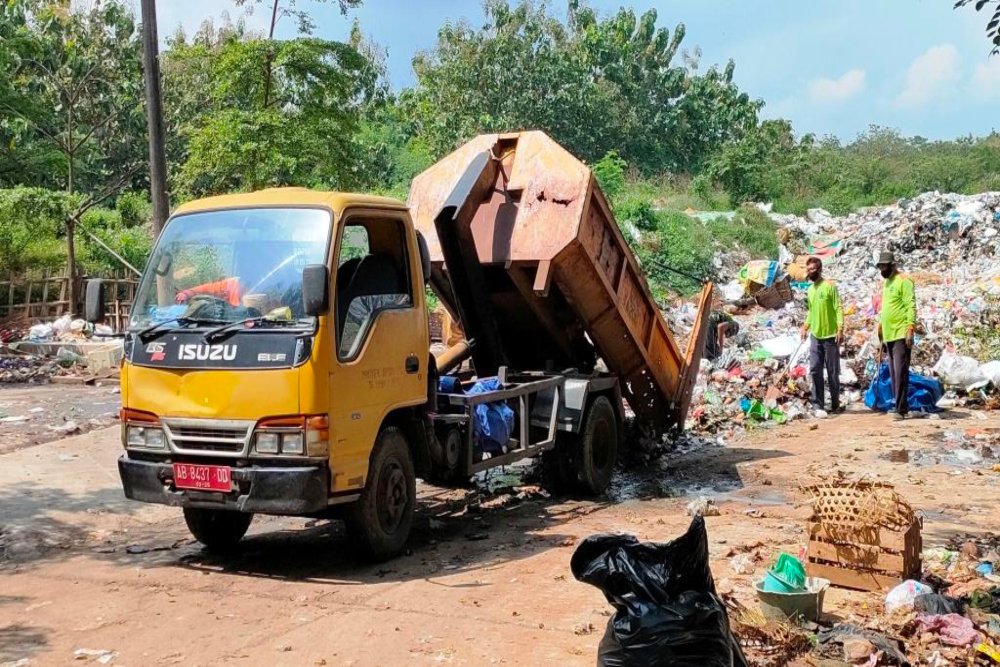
[806, 605]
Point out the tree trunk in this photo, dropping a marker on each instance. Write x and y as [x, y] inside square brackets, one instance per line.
[270, 56]
[71, 266]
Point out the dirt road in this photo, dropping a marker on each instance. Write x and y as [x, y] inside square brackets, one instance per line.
[81, 568]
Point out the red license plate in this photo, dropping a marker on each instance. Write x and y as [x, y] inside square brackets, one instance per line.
[203, 478]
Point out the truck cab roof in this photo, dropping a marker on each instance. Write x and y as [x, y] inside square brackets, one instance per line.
[291, 196]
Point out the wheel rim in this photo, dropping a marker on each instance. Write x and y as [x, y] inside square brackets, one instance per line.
[600, 445]
[393, 496]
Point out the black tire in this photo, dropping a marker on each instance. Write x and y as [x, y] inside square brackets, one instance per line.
[381, 520]
[219, 530]
[597, 453]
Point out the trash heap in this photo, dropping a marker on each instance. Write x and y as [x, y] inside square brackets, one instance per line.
[948, 244]
[945, 610]
[65, 346]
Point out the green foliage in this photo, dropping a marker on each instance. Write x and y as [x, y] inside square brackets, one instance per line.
[30, 219]
[750, 230]
[247, 134]
[610, 173]
[71, 84]
[134, 208]
[594, 85]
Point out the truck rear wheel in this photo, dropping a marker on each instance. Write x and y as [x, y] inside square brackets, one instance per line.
[218, 530]
[597, 452]
[381, 520]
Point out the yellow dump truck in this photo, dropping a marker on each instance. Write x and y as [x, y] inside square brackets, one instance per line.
[277, 359]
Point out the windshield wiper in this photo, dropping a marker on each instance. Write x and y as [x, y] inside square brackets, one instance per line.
[160, 327]
[229, 327]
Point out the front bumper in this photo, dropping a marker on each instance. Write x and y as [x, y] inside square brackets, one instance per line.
[293, 491]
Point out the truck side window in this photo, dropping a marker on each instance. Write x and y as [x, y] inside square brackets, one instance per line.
[372, 276]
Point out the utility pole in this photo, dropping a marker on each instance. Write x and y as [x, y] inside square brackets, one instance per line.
[154, 118]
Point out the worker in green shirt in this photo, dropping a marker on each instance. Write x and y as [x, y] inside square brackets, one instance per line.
[825, 328]
[896, 327]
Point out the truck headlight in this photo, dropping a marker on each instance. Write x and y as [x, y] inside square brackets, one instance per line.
[291, 443]
[293, 435]
[148, 437]
[266, 443]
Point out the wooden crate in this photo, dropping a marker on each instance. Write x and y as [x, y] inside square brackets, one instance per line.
[864, 558]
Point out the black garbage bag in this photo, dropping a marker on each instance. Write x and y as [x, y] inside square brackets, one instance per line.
[935, 603]
[667, 610]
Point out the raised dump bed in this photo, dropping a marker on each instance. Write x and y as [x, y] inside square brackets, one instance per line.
[554, 285]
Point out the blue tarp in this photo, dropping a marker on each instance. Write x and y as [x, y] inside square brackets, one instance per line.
[922, 394]
[492, 423]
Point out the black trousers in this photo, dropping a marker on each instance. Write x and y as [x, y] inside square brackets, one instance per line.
[899, 371]
[824, 354]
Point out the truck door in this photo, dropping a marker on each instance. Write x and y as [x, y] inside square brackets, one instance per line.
[380, 340]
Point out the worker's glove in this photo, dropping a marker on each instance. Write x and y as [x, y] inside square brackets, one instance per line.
[909, 339]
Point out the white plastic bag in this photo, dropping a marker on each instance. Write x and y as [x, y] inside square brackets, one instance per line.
[40, 332]
[991, 371]
[902, 596]
[782, 346]
[958, 371]
[733, 291]
[61, 325]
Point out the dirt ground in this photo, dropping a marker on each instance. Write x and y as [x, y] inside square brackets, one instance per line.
[34, 414]
[82, 568]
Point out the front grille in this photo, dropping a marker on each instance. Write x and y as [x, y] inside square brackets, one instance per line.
[207, 435]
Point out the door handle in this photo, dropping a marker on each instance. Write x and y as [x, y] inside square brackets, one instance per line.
[412, 364]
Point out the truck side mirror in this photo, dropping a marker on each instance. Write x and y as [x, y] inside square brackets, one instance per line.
[315, 289]
[425, 257]
[93, 308]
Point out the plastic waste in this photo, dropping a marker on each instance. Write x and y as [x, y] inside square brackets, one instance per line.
[782, 346]
[66, 357]
[958, 371]
[40, 332]
[62, 324]
[666, 609]
[492, 422]
[786, 576]
[934, 603]
[923, 393]
[904, 595]
[953, 629]
[991, 371]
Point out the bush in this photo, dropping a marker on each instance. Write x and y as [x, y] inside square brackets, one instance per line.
[750, 230]
[134, 209]
[610, 174]
[31, 219]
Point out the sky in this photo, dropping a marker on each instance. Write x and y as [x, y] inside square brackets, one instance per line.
[833, 67]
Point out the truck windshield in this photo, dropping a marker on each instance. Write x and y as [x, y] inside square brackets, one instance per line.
[229, 265]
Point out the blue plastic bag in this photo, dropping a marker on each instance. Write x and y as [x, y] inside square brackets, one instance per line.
[922, 394]
[492, 423]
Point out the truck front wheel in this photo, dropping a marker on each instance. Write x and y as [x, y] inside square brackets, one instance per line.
[218, 530]
[382, 518]
[598, 447]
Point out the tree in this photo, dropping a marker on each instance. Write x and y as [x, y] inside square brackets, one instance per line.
[242, 135]
[993, 26]
[77, 90]
[594, 85]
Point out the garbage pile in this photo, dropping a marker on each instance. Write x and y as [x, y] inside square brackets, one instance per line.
[946, 611]
[65, 346]
[947, 243]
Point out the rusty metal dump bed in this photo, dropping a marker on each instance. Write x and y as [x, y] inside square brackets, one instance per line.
[553, 285]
